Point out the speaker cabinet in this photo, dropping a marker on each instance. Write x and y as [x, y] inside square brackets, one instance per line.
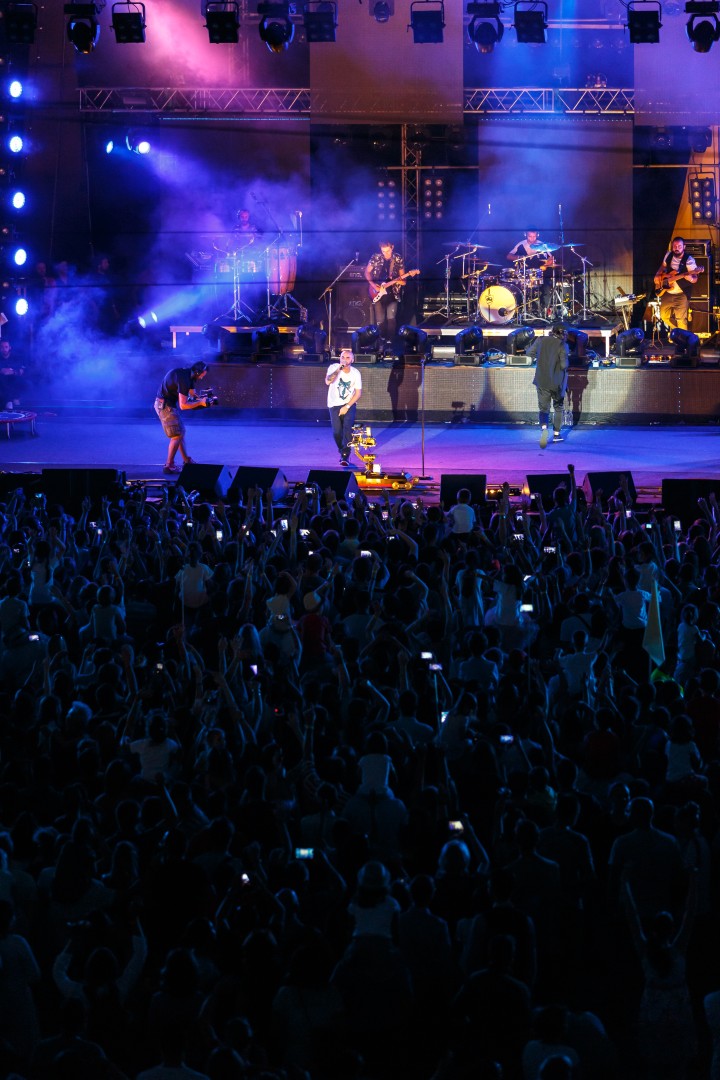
[679, 497]
[451, 483]
[212, 481]
[544, 484]
[608, 483]
[70, 486]
[700, 251]
[246, 476]
[342, 482]
[352, 304]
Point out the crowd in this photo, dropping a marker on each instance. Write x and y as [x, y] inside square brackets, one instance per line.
[353, 790]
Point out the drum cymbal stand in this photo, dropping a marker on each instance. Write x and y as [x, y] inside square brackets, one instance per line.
[445, 309]
[585, 312]
[239, 311]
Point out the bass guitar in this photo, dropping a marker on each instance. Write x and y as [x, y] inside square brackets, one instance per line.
[666, 280]
[382, 289]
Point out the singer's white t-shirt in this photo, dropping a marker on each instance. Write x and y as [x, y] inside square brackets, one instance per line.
[347, 382]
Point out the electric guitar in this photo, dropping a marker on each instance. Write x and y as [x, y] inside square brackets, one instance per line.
[378, 291]
[666, 280]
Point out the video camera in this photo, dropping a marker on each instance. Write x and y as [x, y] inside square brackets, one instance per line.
[209, 395]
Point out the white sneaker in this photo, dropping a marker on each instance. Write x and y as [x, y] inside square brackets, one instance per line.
[543, 438]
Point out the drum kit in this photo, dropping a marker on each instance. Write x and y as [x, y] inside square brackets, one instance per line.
[500, 295]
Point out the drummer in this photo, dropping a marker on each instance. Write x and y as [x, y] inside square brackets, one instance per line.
[244, 226]
[531, 253]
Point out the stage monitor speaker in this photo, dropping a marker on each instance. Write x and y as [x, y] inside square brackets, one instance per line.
[352, 304]
[70, 486]
[468, 360]
[246, 476]
[680, 497]
[544, 484]
[342, 482]
[608, 483]
[700, 251]
[451, 483]
[212, 481]
[367, 358]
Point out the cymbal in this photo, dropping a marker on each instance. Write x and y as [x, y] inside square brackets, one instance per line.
[465, 243]
[569, 243]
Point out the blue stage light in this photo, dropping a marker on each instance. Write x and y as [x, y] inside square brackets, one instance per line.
[15, 88]
[20, 257]
[15, 144]
[18, 199]
[21, 306]
[109, 146]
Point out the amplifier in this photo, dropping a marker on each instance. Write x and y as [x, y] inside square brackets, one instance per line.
[353, 273]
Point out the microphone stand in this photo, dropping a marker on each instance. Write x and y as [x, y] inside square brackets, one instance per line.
[327, 292]
[422, 475]
[585, 263]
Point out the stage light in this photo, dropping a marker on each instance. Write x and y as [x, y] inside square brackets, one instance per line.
[469, 340]
[531, 22]
[21, 306]
[83, 29]
[222, 21]
[366, 339]
[703, 26]
[18, 199]
[20, 256]
[687, 347]
[15, 144]
[427, 21]
[701, 196]
[381, 10]
[109, 146]
[485, 29]
[138, 144]
[643, 21]
[20, 23]
[414, 338]
[630, 342]
[388, 199]
[265, 340]
[519, 340]
[433, 197]
[276, 28]
[320, 20]
[128, 22]
[577, 341]
[15, 89]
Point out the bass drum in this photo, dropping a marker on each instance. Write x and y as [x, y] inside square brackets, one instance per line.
[282, 270]
[499, 303]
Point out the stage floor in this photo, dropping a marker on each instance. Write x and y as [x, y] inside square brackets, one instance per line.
[109, 439]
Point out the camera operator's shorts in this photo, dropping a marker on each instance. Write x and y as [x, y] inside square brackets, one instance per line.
[170, 418]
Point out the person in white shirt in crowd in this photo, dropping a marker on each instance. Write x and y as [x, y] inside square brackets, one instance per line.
[462, 516]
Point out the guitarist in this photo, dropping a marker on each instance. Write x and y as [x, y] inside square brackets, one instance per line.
[385, 266]
[674, 280]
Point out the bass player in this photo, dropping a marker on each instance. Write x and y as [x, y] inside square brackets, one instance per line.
[674, 279]
[385, 275]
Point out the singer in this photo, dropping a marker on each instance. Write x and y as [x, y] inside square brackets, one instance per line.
[344, 383]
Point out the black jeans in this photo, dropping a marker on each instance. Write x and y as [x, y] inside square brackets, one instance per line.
[342, 428]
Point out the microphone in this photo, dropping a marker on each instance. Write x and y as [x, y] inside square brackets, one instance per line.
[298, 213]
[560, 208]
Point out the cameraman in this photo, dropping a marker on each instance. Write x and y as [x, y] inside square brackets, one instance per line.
[176, 393]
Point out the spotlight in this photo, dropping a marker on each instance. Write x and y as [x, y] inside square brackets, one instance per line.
[320, 20]
[20, 256]
[630, 342]
[21, 306]
[83, 29]
[577, 341]
[109, 146]
[687, 347]
[265, 340]
[312, 339]
[643, 21]
[366, 339]
[414, 338]
[18, 200]
[275, 29]
[20, 23]
[137, 143]
[222, 21]
[531, 23]
[703, 26]
[427, 21]
[128, 22]
[381, 10]
[468, 341]
[15, 144]
[519, 340]
[701, 195]
[485, 29]
[15, 88]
